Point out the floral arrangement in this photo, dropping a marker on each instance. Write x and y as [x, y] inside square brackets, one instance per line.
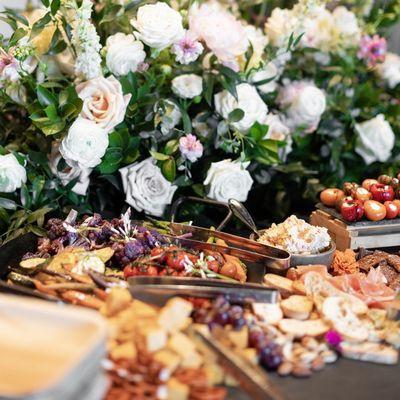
[112, 102]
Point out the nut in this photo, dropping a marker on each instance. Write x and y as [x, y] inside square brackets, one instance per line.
[318, 364]
[285, 368]
[329, 356]
[308, 357]
[301, 370]
[322, 347]
[298, 351]
[309, 343]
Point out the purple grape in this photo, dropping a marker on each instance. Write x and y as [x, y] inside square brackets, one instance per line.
[221, 318]
[256, 337]
[221, 303]
[238, 323]
[270, 356]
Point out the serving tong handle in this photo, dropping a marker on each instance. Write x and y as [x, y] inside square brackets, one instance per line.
[178, 202]
[241, 212]
[252, 379]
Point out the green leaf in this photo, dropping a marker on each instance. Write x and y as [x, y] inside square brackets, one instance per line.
[45, 2]
[236, 115]
[258, 131]
[159, 156]
[8, 204]
[168, 168]
[55, 5]
[171, 146]
[45, 97]
[51, 112]
[17, 35]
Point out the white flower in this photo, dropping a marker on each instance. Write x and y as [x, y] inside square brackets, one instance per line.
[222, 33]
[124, 54]
[269, 72]
[304, 104]
[158, 25]
[145, 187]
[12, 174]
[279, 26]
[228, 179]
[375, 139]
[86, 143]
[103, 102]
[249, 101]
[187, 86]
[277, 130]
[170, 117]
[347, 26]
[86, 42]
[71, 171]
[187, 49]
[389, 70]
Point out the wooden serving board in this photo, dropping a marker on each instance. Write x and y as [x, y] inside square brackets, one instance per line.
[348, 235]
[46, 349]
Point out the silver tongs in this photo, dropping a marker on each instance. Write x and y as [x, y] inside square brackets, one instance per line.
[150, 287]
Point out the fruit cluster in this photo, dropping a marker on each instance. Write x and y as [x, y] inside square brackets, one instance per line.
[376, 199]
[222, 313]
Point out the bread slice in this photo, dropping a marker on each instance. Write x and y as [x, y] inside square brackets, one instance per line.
[371, 352]
[271, 313]
[338, 311]
[284, 285]
[298, 287]
[297, 307]
[314, 328]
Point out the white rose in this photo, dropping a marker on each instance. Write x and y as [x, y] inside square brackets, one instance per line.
[71, 171]
[389, 70]
[249, 101]
[145, 187]
[124, 54]
[280, 25]
[86, 143]
[158, 25]
[277, 130]
[228, 179]
[103, 102]
[304, 104]
[375, 139]
[187, 86]
[347, 25]
[270, 71]
[12, 174]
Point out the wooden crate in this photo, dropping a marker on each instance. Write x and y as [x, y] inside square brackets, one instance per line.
[368, 235]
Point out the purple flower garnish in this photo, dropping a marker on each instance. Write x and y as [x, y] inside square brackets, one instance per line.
[333, 338]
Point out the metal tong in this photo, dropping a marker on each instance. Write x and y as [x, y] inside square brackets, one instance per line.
[253, 379]
[151, 287]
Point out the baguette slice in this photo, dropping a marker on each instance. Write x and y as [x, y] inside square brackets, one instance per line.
[314, 328]
[297, 307]
[298, 287]
[284, 285]
[269, 313]
[371, 352]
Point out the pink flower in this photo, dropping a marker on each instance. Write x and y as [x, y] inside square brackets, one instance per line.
[190, 147]
[372, 49]
[187, 49]
[223, 34]
[9, 66]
